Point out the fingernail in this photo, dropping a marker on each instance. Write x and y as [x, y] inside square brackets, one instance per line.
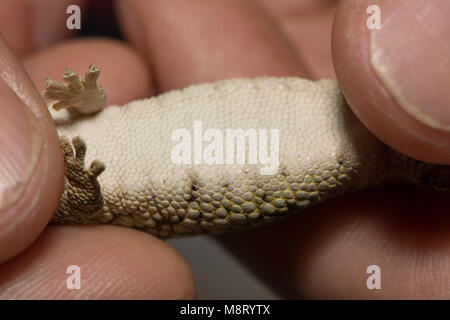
[20, 144]
[410, 55]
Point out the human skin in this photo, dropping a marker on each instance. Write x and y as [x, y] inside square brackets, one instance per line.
[325, 250]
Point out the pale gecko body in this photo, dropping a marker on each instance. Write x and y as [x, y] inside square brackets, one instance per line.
[324, 151]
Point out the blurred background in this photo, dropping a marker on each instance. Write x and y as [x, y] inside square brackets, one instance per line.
[218, 274]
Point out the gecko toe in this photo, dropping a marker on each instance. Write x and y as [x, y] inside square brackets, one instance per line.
[96, 168]
[92, 75]
[80, 148]
[66, 147]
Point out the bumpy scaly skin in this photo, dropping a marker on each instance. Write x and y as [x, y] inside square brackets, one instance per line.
[82, 195]
[324, 151]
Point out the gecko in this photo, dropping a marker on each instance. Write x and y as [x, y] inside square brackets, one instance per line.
[132, 180]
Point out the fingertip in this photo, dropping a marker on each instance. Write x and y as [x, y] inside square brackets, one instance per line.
[390, 89]
[28, 25]
[208, 41]
[31, 166]
[113, 263]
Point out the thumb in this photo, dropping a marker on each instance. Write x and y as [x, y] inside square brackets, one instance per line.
[31, 165]
[396, 78]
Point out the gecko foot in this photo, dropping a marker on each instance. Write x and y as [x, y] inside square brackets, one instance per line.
[84, 95]
[82, 196]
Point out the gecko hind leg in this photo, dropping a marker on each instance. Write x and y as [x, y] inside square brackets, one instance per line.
[82, 196]
[83, 95]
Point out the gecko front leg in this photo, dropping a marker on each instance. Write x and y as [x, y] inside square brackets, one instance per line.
[82, 196]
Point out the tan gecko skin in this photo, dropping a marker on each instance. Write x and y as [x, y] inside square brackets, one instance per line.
[324, 151]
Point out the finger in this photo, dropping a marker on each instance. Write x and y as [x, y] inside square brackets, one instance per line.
[307, 25]
[395, 83]
[28, 25]
[325, 251]
[114, 263]
[14, 25]
[122, 82]
[49, 20]
[198, 41]
[31, 165]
